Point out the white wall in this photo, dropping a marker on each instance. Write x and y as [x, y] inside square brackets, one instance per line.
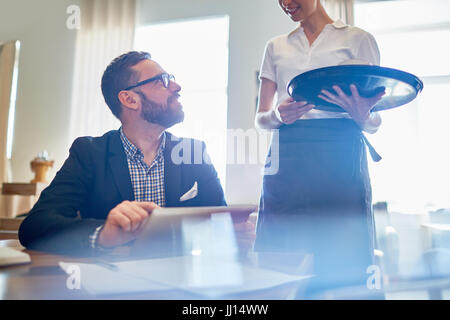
[45, 79]
[252, 24]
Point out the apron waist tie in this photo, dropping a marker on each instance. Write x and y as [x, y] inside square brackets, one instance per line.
[373, 153]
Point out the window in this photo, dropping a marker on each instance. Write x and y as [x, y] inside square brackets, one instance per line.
[12, 106]
[414, 140]
[196, 52]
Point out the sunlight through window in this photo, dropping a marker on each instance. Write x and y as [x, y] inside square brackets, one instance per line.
[414, 174]
[196, 53]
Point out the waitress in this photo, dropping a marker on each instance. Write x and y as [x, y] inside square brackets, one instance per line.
[319, 201]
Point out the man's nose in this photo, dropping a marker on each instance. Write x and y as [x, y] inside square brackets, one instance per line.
[174, 86]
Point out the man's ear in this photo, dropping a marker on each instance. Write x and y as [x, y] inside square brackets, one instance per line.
[128, 99]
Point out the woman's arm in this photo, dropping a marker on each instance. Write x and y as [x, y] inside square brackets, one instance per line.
[372, 124]
[286, 112]
[265, 115]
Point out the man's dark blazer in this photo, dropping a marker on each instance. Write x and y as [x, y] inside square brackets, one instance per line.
[95, 178]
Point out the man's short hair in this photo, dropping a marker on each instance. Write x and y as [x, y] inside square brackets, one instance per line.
[119, 75]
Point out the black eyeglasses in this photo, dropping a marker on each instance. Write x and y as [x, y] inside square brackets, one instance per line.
[164, 77]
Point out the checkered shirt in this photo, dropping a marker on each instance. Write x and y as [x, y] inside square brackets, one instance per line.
[147, 181]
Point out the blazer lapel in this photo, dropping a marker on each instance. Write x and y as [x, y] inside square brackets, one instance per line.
[119, 167]
[172, 175]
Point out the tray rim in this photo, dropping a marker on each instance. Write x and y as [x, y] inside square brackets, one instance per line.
[374, 70]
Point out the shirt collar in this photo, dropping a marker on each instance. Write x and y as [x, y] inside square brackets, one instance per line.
[338, 24]
[132, 151]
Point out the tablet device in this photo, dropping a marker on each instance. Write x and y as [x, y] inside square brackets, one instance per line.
[162, 234]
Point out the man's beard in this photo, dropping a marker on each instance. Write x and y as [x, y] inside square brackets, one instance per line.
[164, 115]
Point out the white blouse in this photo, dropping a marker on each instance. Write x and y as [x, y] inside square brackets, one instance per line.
[288, 55]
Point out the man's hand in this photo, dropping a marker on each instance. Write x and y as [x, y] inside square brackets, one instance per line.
[124, 223]
[357, 107]
[290, 111]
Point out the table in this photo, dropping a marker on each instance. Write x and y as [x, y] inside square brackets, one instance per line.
[44, 279]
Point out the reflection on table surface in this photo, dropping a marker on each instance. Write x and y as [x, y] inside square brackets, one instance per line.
[45, 279]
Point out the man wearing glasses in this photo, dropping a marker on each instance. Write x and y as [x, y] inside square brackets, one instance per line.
[108, 186]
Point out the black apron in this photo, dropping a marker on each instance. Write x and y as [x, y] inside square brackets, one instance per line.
[319, 201]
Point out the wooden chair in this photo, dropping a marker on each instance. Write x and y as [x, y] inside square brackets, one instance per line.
[9, 228]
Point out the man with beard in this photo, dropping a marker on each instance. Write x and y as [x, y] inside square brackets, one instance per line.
[109, 185]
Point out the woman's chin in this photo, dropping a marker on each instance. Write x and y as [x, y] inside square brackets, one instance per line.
[295, 18]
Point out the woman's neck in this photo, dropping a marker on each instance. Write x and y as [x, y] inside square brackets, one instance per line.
[314, 24]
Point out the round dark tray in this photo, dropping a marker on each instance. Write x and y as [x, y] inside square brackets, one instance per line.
[401, 87]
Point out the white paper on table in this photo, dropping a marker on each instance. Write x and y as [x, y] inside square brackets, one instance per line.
[98, 280]
[177, 273]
